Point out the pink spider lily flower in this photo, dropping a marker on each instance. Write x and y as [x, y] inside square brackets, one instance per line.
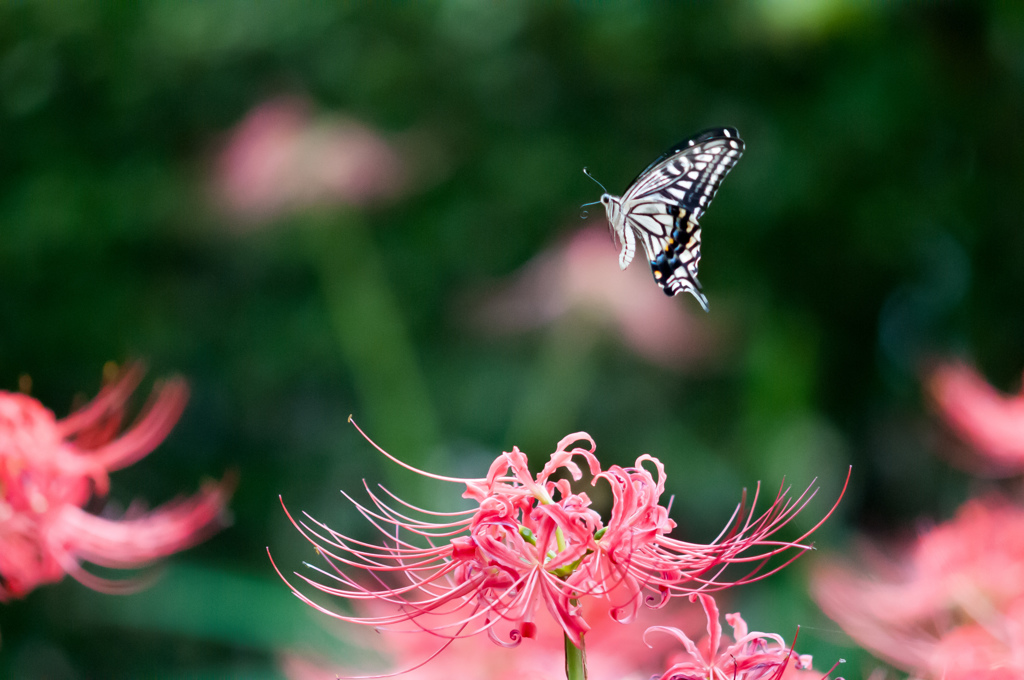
[951, 606]
[532, 543]
[50, 469]
[751, 656]
[991, 422]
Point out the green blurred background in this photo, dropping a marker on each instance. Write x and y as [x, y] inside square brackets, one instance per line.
[873, 225]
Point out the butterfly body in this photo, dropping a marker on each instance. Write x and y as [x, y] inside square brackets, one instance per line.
[663, 205]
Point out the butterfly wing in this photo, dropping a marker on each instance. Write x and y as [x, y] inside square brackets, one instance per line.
[664, 204]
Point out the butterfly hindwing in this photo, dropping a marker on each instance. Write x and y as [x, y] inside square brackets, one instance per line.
[663, 206]
[675, 268]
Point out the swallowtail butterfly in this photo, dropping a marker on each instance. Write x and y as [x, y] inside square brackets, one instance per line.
[663, 206]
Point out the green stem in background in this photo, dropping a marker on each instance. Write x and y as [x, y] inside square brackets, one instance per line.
[557, 385]
[575, 660]
[376, 346]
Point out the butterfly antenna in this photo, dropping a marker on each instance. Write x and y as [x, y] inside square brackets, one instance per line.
[583, 213]
[587, 173]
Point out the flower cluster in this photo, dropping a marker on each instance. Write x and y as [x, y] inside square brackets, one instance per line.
[50, 469]
[534, 542]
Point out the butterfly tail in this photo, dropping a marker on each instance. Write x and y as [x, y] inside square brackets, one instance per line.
[679, 281]
[701, 298]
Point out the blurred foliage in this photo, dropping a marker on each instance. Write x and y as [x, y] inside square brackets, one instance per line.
[873, 225]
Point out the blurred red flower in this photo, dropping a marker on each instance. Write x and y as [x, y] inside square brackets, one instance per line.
[991, 422]
[582, 276]
[50, 469]
[282, 158]
[951, 607]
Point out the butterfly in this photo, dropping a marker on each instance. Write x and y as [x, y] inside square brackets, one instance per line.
[662, 208]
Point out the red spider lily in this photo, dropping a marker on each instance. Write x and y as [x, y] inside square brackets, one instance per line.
[752, 656]
[993, 423]
[50, 469]
[951, 607]
[533, 542]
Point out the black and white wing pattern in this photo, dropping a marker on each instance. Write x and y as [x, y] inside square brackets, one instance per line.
[663, 206]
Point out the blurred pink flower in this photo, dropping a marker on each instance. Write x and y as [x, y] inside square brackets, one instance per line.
[50, 469]
[991, 422]
[751, 656]
[583, 276]
[532, 542]
[612, 653]
[951, 607]
[281, 158]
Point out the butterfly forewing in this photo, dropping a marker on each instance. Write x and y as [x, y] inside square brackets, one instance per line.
[664, 204]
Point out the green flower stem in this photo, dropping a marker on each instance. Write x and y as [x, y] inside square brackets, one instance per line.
[375, 344]
[575, 660]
